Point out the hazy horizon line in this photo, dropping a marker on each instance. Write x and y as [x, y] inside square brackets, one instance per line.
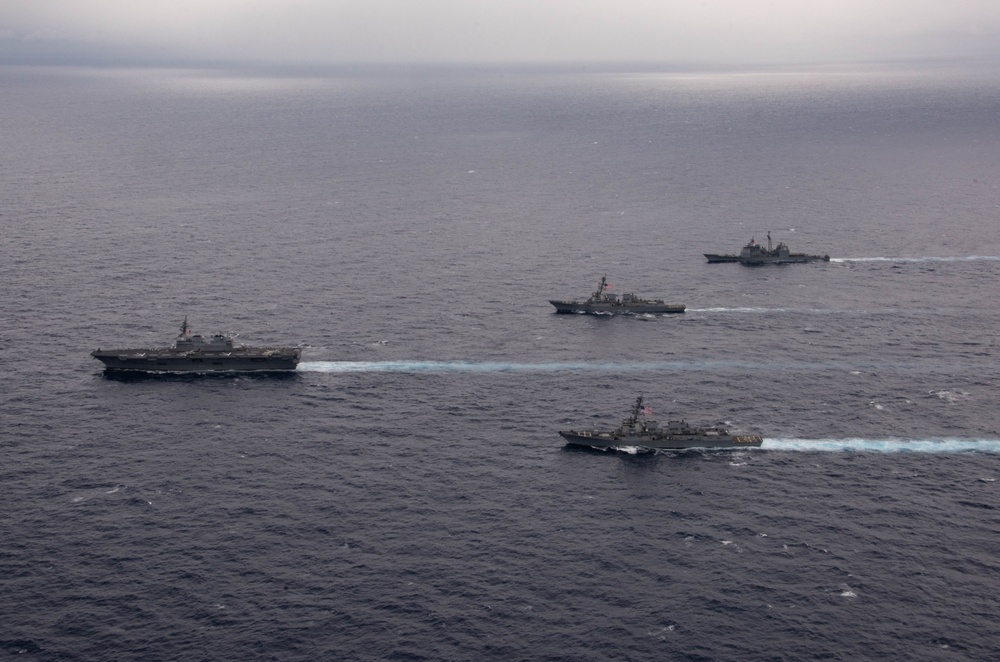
[608, 65]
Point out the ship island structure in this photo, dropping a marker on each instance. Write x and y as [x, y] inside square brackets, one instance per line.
[193, 353]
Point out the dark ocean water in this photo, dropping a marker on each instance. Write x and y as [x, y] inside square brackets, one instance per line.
[405, 495]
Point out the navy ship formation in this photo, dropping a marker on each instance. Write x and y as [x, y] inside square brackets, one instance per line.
[193, 353]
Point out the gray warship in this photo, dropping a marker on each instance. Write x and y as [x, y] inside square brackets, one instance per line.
[637, 430]
[601, 302]
[194, 353]
[753, 254]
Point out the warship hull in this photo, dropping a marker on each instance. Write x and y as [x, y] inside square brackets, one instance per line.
[794, 258]
[615, 309]
[712, 257]
[603, 440]
[167, 361]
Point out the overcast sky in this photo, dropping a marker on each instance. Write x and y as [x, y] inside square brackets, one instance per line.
[479, 31]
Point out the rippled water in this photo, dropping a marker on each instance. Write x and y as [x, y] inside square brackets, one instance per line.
[404, 494]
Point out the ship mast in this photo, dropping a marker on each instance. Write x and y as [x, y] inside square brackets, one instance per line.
[636, 408]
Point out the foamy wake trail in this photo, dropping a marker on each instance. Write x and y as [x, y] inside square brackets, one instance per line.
[968, 258]
[498, 366]
[701, 365]
[737, 310]
[482, 366]
[885, 445]
[767, 311]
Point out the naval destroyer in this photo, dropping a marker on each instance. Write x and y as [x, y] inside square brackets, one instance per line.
[637, 430]
[753, 254]
[194, 353]
[602, 302]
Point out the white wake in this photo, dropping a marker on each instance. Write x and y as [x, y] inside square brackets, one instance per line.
[885, 445]
[966, 258]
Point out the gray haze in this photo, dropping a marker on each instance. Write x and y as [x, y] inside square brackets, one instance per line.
[486, 31]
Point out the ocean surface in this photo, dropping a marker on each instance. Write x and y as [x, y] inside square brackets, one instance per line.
[405, 494]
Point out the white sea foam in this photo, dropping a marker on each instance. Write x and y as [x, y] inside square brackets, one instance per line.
[472, 366]
[758, 310]
[949, 396]
[625, 366]
[736, 310]
[957, 258]
[885, 445]
[502, 366]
